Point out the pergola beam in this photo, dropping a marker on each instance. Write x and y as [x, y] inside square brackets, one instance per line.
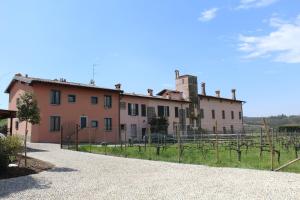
[8, 114]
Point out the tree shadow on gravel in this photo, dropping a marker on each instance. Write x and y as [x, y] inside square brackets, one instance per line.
[32, 150]
[15, 185]
[62, 169]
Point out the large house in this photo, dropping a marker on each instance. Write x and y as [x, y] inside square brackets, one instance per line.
[65, 104]
[113, 115]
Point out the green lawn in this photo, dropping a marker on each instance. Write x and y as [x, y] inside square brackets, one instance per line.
[205, 156]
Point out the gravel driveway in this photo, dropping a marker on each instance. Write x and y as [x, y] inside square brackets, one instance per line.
[88, 176]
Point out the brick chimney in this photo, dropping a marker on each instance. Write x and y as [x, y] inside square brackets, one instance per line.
[118, 86]
[218, 93]
[177, 74]
[203, 89]
[233, 91]
[150, 92]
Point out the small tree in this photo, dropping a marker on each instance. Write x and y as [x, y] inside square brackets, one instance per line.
[28, 112]
[159, 125]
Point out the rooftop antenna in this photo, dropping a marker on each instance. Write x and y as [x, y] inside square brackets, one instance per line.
[92, 82]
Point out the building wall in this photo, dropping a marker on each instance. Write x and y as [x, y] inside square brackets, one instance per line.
[142, 122]
[17, 90]
[70, 112]
[218, 105]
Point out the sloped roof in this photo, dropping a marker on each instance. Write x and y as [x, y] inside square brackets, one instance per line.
[167, 90]
[220, 98]
[154, 97]
[31, 80]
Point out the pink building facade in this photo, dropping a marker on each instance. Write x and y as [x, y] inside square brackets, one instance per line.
[65, 104]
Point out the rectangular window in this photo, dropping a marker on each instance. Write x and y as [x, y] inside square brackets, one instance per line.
[107, 101]
[224, 130]
[107, 124]
[202, 113]
[83, 122]
[55, 97]
[214, 129]
[71, 98]
[187, 113]
[94, 124]
[54, 123]
[133, 130]
[176, 112]
[94, 100]
[232, 115]
[123, 105]
[223, 114]
[133, 109]
[213, 114]
[123, 127]
[143, 110]
[163, 111]
[232, 129]
[17, 125]
[240, 115]
[160, 111]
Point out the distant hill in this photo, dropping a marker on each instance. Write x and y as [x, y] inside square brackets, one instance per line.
[273, 121]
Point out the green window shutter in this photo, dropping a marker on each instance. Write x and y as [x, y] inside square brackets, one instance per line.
[137, 109]
[129, 109]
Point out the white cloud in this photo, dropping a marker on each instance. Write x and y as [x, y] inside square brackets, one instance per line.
[244, 4]
[208, 15]
[282, 44]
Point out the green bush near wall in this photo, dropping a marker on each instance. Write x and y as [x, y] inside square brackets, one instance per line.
[9, 148]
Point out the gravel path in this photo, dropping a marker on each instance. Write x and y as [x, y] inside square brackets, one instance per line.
[89, 176]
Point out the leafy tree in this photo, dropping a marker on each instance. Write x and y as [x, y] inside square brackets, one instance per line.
[159, 125]
[28, 112]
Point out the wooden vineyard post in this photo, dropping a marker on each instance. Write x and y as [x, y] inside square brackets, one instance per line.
[261, 143]
[178, 144]
[217, 141]
[149, 142]
[238, 147]
[270, 143]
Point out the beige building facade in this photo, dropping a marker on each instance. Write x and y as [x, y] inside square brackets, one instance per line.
[207, 112]
[136, 112]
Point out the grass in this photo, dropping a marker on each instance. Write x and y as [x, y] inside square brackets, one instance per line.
[205, 156]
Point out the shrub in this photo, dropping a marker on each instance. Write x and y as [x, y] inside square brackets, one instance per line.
[3, 126]
[9, 148]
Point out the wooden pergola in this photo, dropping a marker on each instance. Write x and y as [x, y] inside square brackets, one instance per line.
[8, 114]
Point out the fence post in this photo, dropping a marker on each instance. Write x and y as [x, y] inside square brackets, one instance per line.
[76, 137]
[178, 143]
[261, 143]
[61, 137]
[149, 141]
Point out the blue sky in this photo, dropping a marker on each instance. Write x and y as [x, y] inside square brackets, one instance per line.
[250, 45]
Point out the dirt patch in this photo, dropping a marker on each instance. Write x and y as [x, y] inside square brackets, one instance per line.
[34, 166]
